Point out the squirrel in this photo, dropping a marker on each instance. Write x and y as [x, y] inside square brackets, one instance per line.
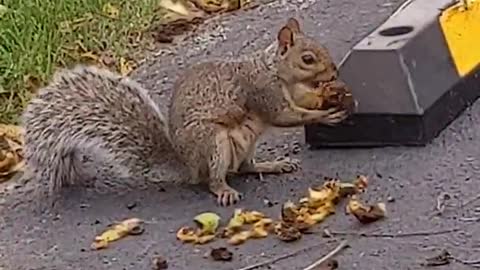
[90, 125]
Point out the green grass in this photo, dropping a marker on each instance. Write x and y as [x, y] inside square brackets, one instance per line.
[36, 36]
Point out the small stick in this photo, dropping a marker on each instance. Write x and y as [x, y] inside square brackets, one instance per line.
[279, 258]
[260, 176]
[398, 235]
[471, 200]
[332, 253]
[274, 260]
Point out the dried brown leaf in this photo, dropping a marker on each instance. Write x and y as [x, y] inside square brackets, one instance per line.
[287, 232]
[366, 213]
[11, 151]
[221, 254]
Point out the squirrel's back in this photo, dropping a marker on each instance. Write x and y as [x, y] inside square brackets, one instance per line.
[91, 124]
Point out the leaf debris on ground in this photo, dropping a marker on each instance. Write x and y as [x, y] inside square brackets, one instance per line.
[11, 151]
[296, 219]
[221, 254]
[366, 213]
[131, 226]
[207, 224]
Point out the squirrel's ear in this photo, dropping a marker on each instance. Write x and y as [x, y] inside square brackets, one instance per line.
[285, 39]
[294, 25]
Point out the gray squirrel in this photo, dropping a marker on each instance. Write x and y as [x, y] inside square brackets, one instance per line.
[90, 125]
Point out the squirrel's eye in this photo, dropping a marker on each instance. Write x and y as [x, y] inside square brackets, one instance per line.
[308, 59]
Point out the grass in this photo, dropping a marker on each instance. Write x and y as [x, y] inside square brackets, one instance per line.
[36, 36]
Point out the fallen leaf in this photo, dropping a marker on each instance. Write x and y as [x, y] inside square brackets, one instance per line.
[307, 214]
[239, 238]
[252, 216]
[190, 235]
[179, 7]
[175, 17]
[207, 226]
[328, 192]
[159, 263]
[287, 232]
[110, 11]
[216, 6]
[12, 132]
[366, 213]
[235, 223]
[289, 212]
[11, 151]
[221, 254]
[208, 222]
[261, 228]
[203, 239]
[126, 66]
[132, 226]
[187, 235]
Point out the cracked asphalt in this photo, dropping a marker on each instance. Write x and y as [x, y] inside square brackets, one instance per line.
[410, 180]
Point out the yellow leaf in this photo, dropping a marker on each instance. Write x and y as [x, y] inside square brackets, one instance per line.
[366, 213]
[126, 66]
[204, 239]
[239, 238]
[11, 151]
[175, 6]
[237, 221]
[186, 235]
[208, 222]
[260, 228]
[111, 11]
[252, 216]
[12, 132]
[117, 232]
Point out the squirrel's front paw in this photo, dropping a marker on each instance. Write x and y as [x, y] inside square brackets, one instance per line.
[226, 195]
[286, 165]
[335, 116]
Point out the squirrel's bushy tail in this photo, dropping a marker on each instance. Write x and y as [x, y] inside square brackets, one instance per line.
[92, 124]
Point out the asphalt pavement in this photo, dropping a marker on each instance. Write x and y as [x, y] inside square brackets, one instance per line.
[409, 180]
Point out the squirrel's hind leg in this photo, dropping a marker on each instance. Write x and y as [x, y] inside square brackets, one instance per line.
[219, 161]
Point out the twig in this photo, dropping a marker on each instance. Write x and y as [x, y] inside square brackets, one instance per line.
[272, 261]
[279, 258]
[471, 200]
[396, 235]
[332, 253]
[475, 262]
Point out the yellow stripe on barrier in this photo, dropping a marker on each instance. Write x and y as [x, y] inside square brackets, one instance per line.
[461, 26]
